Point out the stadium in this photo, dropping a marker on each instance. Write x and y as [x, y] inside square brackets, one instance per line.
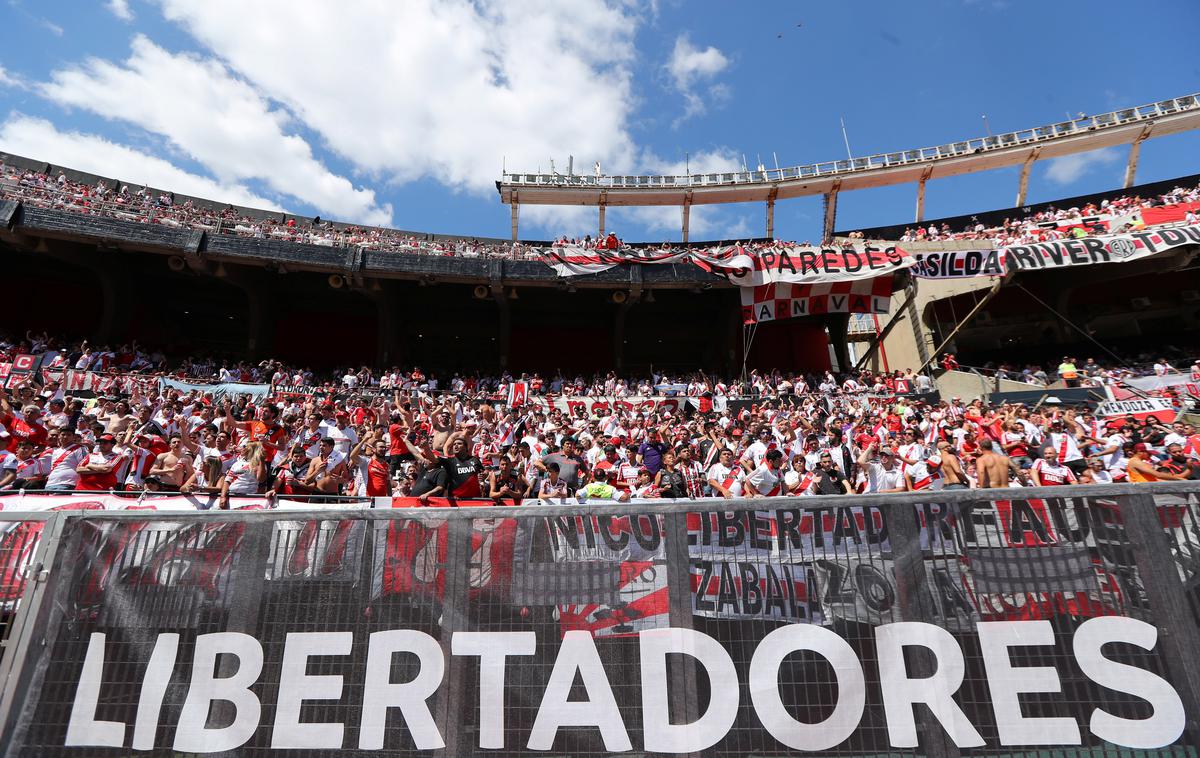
[277, 483]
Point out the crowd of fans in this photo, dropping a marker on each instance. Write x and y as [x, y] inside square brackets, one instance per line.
[1105, 217]
[142, 205]
[406, 434]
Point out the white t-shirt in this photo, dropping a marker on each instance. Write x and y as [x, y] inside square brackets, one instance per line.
[63, 462]
[343, 439]
[879, 478]
[765, 481]
[729, 478]
[1115, 461]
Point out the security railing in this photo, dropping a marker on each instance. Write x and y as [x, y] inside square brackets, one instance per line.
[1069, 128]
[1061, 619]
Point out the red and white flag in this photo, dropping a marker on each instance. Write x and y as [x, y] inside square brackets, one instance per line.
[518, 394]
[777, 301]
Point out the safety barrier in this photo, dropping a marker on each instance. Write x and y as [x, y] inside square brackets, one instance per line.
[942, 624]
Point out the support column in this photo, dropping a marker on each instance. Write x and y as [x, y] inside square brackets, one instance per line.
[830, 211]
[838, 325]
[1023, 184]
[387, 308]
[516, 212]
[504, 323]
[921, 193]
[619, 334]
[687, 215]
[603, 207]
[1135, 149]
[771, 212]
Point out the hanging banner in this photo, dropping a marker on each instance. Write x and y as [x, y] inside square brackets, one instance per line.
[741, 266]
[804, 265]
[1161, 409]
[577, 261]
[219, 390]
[774, 302]
[958, 264]
[1083, 251]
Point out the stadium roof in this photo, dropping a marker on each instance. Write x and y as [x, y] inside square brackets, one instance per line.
[1125, 126]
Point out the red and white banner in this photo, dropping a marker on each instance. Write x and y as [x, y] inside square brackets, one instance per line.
[576, 261]
[518, 394]
[745, 268]
[774, 302]
[804, 265]
[90, 381]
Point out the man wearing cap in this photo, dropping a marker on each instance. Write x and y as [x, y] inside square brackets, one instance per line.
[99, 471]
[883, 473]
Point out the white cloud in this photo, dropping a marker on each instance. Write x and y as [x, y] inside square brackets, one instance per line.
[8, 80]
[216, 119]
[688, 66]
[1068, 168]
[38, 138]
[120, 9]
[51, 27]
[451, 89]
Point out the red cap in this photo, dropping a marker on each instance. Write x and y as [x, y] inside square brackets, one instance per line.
[106, 438]
[1141, 447]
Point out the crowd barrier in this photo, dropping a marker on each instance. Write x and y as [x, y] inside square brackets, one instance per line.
[1056, 621]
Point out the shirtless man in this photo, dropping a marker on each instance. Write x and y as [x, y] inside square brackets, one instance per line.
[173, 467]
[992, 469]
[953, 476]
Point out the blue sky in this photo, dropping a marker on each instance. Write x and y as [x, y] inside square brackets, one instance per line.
[402, 113]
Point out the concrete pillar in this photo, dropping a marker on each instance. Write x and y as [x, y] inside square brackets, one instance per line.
[1135, 149]
[603, 206]
[619, 334]
[687, 213]
[383, 293]
[921, 193]
[771, 212]
[830, 211]
[503, 323]
[838, 325]
[516, 212]
[1023, 183]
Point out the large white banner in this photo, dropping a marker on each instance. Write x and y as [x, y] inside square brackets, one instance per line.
[1084, 251]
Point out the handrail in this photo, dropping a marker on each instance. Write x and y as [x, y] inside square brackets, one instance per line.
[664, 506]
[1103, 121]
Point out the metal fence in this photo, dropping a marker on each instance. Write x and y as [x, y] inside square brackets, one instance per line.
[1050, 620]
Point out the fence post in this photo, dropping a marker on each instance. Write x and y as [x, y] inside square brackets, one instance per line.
[1169, 604]
[35, 626]
[916, 604]
[685, 707]
[452, 701]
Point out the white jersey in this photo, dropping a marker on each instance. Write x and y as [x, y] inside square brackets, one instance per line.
[729, 478]
[241, 478]
[1065, 444]
[1053, 474]
[766, 481]
[63, 462]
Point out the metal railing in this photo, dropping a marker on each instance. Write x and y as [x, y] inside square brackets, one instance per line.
[111, 590]
[972, 146]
